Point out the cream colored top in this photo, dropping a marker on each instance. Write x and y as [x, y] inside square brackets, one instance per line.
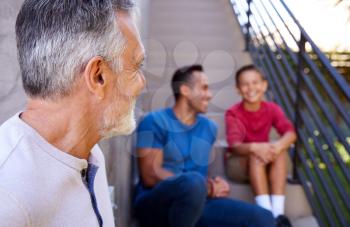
[42, 186]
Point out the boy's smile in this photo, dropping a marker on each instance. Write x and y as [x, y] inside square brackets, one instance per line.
[252, 87]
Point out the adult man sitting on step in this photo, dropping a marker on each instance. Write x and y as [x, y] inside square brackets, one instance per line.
[173, 147]
[80, 64]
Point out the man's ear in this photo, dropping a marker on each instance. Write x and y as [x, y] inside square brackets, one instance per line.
[185, 90]
[95, 76]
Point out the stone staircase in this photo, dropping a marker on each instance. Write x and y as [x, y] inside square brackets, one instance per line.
[185, 32]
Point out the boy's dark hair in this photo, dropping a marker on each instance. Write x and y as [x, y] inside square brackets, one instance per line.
[245, 68]
[183, 76]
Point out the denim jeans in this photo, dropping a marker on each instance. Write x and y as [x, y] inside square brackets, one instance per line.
[181, 201]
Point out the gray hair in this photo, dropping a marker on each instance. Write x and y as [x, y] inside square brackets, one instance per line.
[56, 39]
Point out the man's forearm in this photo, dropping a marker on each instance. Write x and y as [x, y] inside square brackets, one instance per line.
[163, 174]
[158, 175]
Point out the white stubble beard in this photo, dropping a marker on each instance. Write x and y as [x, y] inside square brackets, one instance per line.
[116, 126]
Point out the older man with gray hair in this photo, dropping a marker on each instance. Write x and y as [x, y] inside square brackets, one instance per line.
[80, 64]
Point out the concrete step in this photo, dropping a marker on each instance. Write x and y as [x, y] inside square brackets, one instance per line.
[172, 14]
[219, 119]
[223, 96]
[161, 6]
[214, 61]
[202, 42]
[309, 221]
[175, 29]
[297, 207]
[151, 100]
[199, 17]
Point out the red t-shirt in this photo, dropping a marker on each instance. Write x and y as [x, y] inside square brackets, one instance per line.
[243, 126]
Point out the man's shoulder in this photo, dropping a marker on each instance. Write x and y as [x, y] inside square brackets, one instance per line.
[10, 137]
[158, 117]
[158, 113]
[204, 120]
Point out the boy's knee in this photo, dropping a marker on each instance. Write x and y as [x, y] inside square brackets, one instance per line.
[255, 162]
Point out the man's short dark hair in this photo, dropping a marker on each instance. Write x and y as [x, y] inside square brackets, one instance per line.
[245, 68]
[183, 76]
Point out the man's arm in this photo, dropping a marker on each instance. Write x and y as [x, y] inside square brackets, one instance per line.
[150, 163]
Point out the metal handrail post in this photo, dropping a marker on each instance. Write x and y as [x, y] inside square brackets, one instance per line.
[297, 122]
[248, 25]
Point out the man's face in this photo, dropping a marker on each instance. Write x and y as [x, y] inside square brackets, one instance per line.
[200, 94]
[252, 86]
[119, 117]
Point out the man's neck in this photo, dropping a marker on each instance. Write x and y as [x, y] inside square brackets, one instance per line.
[63, 124]
[185, 113]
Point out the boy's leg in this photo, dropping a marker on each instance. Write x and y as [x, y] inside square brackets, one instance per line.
[277, 179]
[225, 212]
[259, 183]
[258, 177]
[174, 202]
[236, 168]
[278, 174]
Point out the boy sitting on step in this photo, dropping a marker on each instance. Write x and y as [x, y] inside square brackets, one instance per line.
[248, 125]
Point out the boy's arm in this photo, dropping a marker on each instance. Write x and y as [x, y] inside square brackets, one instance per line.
[243, 148]
[284, 128]
[264, 151]
[235, 134]
[285, 141]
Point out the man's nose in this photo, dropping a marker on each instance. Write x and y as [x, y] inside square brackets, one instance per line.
[141, 83]
[143, 80]
[210, 95]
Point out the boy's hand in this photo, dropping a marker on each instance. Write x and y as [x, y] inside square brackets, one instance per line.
[277, 148]
[265, 152]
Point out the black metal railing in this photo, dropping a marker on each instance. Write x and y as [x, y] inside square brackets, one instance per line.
[313, 94]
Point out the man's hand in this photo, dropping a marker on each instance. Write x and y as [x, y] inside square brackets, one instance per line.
[218, 187]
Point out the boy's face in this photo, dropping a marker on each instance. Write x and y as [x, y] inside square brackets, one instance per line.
[252, 86]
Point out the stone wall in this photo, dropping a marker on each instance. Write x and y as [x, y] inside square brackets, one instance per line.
[12, 98]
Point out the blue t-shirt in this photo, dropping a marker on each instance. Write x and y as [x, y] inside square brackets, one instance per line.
[185, 147]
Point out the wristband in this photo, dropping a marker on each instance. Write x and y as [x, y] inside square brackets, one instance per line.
[211, 188]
